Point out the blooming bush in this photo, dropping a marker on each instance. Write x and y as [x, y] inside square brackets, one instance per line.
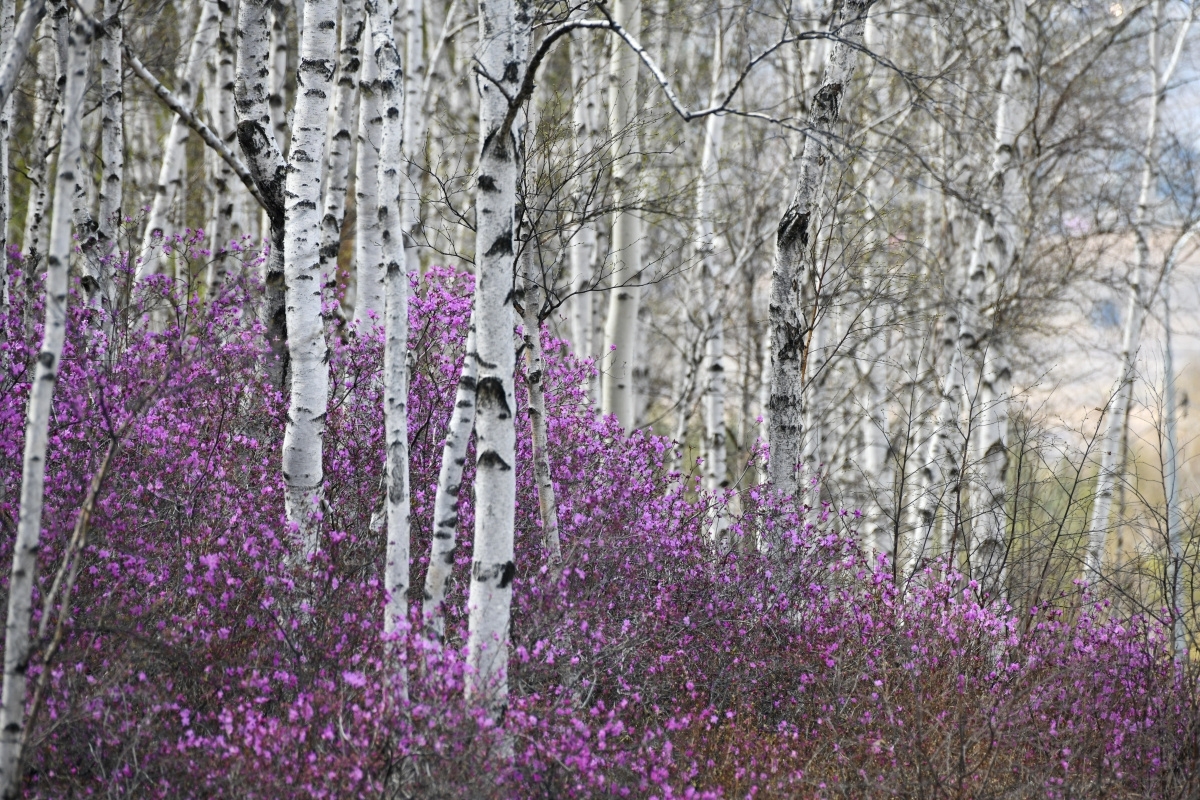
[198, 659]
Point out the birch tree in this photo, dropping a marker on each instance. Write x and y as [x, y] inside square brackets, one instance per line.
[390, 182]
[368, 238]
[226, 223]
[584, 117]
[793, 272]
[504, 30]
[303, 471]
[266, 165]
[45, 117]
[714, 350]
[995, 255]
[17, 644]
[620, 331]
[341, 138]
[1117, 410]
[416, 124]
[279, 70]
[445, 501]
[112, 148]
[535, 373]
[8, 23]
[174, 160]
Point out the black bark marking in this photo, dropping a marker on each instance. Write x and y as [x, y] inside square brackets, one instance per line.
[490, 459]
[503, 246]
[509, 571]
[490, 396]
[793, 231]
[827, 102]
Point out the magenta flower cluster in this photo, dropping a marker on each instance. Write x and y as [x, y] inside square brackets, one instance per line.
[200, 660]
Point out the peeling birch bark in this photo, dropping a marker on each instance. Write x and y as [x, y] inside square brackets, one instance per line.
[17, 645]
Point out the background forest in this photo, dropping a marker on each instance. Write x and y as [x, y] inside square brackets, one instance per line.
[640, 398]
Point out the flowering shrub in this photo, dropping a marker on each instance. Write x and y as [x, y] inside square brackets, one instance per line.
[199, 660]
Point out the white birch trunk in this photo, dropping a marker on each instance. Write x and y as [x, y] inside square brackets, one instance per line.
[1174, 512]
[341, 140]
[8, 22]
[793, 270]
[16, 43]
[939, 473]
[996, 256]
[504, 27]
[620, 329]
[174, 159]
[112, 131]
[279, 69]
[715, 467]
[45, 119]
[1117, 411]
[416, 124]
[445, 501]
[303, 436]
[535, 375]
[17, 645]
[621, 326]
[224, 223]
[368, 238]
[390, 179]
[266, 165]
[583, 245]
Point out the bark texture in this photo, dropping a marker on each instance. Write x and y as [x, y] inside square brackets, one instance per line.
[445, 502]
[504, 27]
[368, 238]
[8, 21]
[620, 330]
[174, 161]
[995, 260]
[303, 437]
[395, 273]
[793, 273]
[1112, 456]
[17, 644]
[265, 163]
[341, 139]
[45, 119]
[535, 374]
[112, 125]
[225, 222]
